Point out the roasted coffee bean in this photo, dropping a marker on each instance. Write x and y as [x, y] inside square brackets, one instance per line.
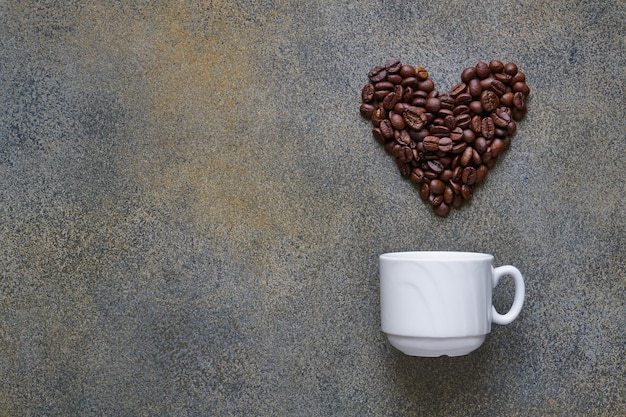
[449, 122]
[404, 138]
[476, 107]
[414, 118]
[476, 158]
[407, 94]
[386, 129]
[421, 73]
[396, 149]
[430, 175]
[404, 168]
[498, 87]
[384, 85]
[407, 71]
[521, 87]
[381, 94]
[482, 70]
[394, 78]
[499, 132]
[425, 191]
[437, 186]
[467, 192]
[519, 101]
[445, 160]
[418, 135]
[461, 109]
[433, 104]
[510, 68]
[377, 74]
[442, 113]
[417, 176]
[496, 147]
[463, 99]
[474, 88]
[467, 156]
[469, 175]
[409, 82]
[463, 120]
[501, 117]
[397, 121]
[496, 66]
[457, 133]
[511, 128]
[426, 85]
[503, 78]
[419, 102]
[468, 135]
[507, 99]
[487, 128]
[426, 94]
[367, 94]
[486, 156]
[518, 77]
[455, 185]
[456, 174]
[439, 130]
[506, 141]
[388, 146]
[406, 155]
[467, 74]
[486, 83]
[445, 175]
[435, 166]
[458, 89]
[481, 173]
[393, 65]
[431, 143]
[435, 199]
[445, 144]
[390, 101]
[367, 110]
[459, 148]
[447, 102]
[480, 144]
[442, 209]
[489, 100]
[378, 135]
[448, 195]
[476, 124]
[379, 114]
[518, 114]
[400, 107]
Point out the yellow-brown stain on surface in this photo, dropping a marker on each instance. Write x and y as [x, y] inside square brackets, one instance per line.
[196, 89]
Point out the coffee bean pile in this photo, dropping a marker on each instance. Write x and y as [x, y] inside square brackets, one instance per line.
[445, 143]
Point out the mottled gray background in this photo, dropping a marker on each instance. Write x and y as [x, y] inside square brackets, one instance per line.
[191, 209]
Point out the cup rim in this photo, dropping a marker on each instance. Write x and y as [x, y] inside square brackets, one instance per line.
[436, 256]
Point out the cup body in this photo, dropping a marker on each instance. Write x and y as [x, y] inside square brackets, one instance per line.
[436, 303]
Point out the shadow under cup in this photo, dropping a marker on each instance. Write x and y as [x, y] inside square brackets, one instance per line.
[440, 303]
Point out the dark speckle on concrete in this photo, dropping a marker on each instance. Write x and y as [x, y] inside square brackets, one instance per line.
[191, 209]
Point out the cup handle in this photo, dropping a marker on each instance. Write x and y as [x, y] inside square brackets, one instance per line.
[520, 293]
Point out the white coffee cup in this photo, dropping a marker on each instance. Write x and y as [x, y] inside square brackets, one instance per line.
[440, 303]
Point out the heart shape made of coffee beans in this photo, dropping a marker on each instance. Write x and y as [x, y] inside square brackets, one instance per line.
[445, 143]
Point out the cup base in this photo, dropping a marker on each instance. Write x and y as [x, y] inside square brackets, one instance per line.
[433, 347]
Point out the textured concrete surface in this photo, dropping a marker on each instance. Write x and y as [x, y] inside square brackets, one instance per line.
[191, 209]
